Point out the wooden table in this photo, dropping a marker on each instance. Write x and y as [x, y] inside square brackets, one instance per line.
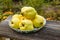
[50, 32]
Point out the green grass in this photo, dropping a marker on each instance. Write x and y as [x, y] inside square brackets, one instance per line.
[39, 5]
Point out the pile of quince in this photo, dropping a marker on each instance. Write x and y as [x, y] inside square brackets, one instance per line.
[28, 19]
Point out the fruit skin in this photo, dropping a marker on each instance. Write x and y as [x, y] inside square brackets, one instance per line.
[26, 25]
[21, 17]
[14, 23]
[15, 16]
[28, 12]
[38, 21]
[18, 16]
[22, 28]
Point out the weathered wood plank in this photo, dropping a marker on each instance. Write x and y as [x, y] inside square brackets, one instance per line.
[50, 32]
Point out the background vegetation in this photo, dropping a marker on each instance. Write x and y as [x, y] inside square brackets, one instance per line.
[50, 9]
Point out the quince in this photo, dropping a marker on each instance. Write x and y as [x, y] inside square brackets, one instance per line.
[26, 25]
[28, 12]
[14, 23]
[38, 21]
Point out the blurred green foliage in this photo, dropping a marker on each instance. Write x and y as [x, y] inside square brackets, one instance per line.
[37, 4]
[40, 5]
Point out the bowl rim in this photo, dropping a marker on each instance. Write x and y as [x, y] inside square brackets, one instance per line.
[26, 31]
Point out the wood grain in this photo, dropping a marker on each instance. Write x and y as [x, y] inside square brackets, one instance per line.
[51, 31]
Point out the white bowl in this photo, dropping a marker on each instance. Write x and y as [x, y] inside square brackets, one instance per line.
[27, 31]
